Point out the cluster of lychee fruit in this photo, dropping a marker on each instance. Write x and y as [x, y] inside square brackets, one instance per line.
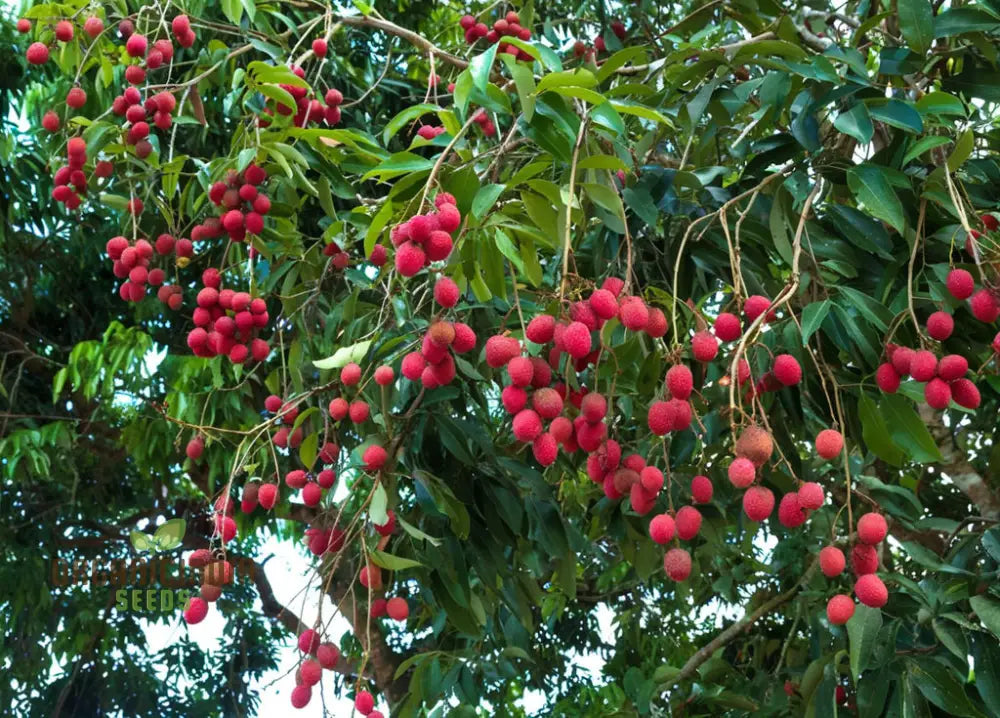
[318, 656]
[482, 119]
[216, 573]
[869, 588]
[943, 379]
[241, 203]
[157, 109]
[132, 263]
[426, 238]
[433, 365]
[507, 26]
[152, 57]
[582, 49]
[70, 180]
[307, 110]
[226, 322]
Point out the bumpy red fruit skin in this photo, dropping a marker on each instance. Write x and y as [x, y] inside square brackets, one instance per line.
[871, 591]
[829, 443]
[660, 418]
[37, 53]
[634, 314]
[688, 522]
[301, 695]
[757, 305]
[547, 403]
[960, 284]
[831, 561]
[350, 374]
[864, 559]
[662, 529]
[338, 408]
[965, 393]
[839, 609]
[527, 425]
[887, 378]
[446, 292]
[872, 528]
[500, 350]
[701, 489]
[594, 407]
[541, 328]
[603, 303]
[984, 307]
[811, 495]
[677, 564]
[657, 325]
[790, 511]
[465, 338]
[742, 472]
[384, 375]
[327, 654]
[704, 346]
[576, 339]
[937, 394]
[758, 503]
[364, 703]
[727, 327]
[940, 325]
[521, 370]
[374, 458]
[651, 478]
[923, 365]
[194, 448]
[409, 259]
[787, 369]
[196, 611]
[267, 495]
[545, 449]
[514, 398]
[680, 382]
[952, 367]
[397, 609]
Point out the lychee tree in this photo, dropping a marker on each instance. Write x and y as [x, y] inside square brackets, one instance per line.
[508, 317]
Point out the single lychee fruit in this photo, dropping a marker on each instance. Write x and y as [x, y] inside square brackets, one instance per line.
[397, 609]
[940, 325]
[662, 529]
[923, 365]
[446, 292]
[937, 394]
[196, 610]
[811, 495]
[864, 559]
[513, 398]
[791, 512]
[872, 528]
[634, 314]
[301, 695]
[688, 522]
[680, 382]
[839, 609]
[358, 411]
[831, 561]
[960, 284]
[541, 328]
[501, 349]
[465, 338]
[871, 591]
[603, 303]
[593, 407]
[374, 458]
[338, 408]
[576, 340]
[384, 375]
[677, 564]
[657, 324]
[545, 449]
[527, 425]
[327, 654]
[756, 305]
[521, 371]
[984, 307]
[758, 502]
[952, 367]
[965, 393]
[742, 472]
[728, 327]
[704, 346]
[547, 403]
[701, 489]
[887, 378]
[651, 478]
[364, 703]
[829, 443]
[755, 444]
[267, 495]
[194, 448]
[787, 369]
[350, 374]
[901, 358]
[660, 418]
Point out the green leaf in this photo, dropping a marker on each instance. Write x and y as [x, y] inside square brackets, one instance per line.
[485, 198]
[870, 186]
[399, 164]
[812, 317]
[379, 221]
[986, 654]
[233, 10]
[567, 78]
[923, 145]
[962, 151]
[602, 162]
[857, 123]
[916, 22]
[393, 563]
[417, 533]
[899, 114]
[170, 534]
[645, 113]
[481, 66]
[308, 449]
[862, 632]
[988, 611]
[344, 356]
[873, 311]
[141, 541]
[524, 81]
[404, 118]
[908, 431]
[940, 686]
[620, 59]
[377, 508]
[959, 20]
[940, 103]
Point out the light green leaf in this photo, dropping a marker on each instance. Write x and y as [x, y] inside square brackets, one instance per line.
[481, 66]
[923, 145]
[812, 317]
[344, 356]
[857, 123]
[393, 563]
[417, 533]
[141, 541]
[574, 78]
[170, 534]
[862, 632]
[405, 117]
[377, 508]
[916, 22]
[962, 151]
[485, 198]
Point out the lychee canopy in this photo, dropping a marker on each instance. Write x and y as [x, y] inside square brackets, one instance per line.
[554, 341]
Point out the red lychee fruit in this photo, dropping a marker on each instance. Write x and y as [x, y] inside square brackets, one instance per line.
[887, 378]
[758, 503]
[412, 367]
[327, 654]
[829, 443]
[310, 672]
[901, 358]
[350, 374]
[952, 367]
[872, 528]
[651, 478]
[312, 494]
[593, 407]
[37, 53]
[755, 444]
[374, 458]
[194, 448]
[923, 365]
[704, 346]
[657, 325]
[545, 449]
[787, 369]
[864, 559]
[634, 314]
[500, 350]
[364, 703]
[790, 511]
[196, 610]
[984, 306]
[940, 326]
[410, 258]
[871, 591]
[301, 695]
[358, 411]
[267, 495]
[937, 394]
[756, 305]
[384, 375]
[397, 609]
[677, 564]
[811, 495]
[701, 489]
[831, 561]
[541, 328]
[688, 522]
[680, 382]
[839, 609]
[547, 403]
[662, 529]
[296, 479]
[465, 338]
[446, 292]
[514, 398]
[727, 327]
[742, 472]
[339, 407]
[527, 425]
[576, 340]
[960, 284]
[965, 393]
